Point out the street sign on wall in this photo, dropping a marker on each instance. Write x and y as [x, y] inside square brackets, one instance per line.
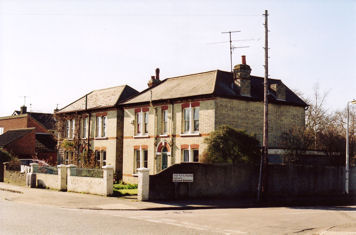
[189, 178]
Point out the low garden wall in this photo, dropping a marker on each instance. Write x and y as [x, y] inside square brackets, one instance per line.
[91, 181]
[13, 175]
[47, 181]
[62, 177]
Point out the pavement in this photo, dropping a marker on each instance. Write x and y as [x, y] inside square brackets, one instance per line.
[73, 200]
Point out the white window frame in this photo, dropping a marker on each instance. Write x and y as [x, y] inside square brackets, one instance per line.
[191, 111]
[1, 130]
[101, 126]
[140, 159]
[68, 123]
[85, 127]
[104, 120]
[145, 122]
[186, 112]
[195, 111]
[72, 129]
[142, 122]
[190, 154]
[164, 122]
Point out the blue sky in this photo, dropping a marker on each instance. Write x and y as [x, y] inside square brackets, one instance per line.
[55, 51]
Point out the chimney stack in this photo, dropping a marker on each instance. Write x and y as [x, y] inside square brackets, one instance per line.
[23, 109]
[157, 74]
[154, 79]
[242, 77]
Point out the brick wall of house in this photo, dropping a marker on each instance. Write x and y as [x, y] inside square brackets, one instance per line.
[33, 123]
[174, 138]
[110, 143]
[13, 122]
[21, 121]
[24, 146]
[247, 115]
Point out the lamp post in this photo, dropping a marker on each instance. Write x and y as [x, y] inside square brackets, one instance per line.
[347, 165]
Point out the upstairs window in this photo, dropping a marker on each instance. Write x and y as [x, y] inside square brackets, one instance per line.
[141, 120]
[186, 120]
[101, 126]
[190, 123]
[85, 127]
[145, 114]
[138, 122]
[103, 129]
[164, 121]
[196, 118]
[70, 127]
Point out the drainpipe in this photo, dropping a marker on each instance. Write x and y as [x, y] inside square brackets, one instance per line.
[171, 133]
[89, 118]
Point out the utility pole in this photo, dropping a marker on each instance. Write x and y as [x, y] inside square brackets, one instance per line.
[347, 160]
[264, 160]
[231, 47]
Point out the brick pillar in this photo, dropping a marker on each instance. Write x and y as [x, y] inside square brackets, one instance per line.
[143, 184]
[108, 177]
[62, 177]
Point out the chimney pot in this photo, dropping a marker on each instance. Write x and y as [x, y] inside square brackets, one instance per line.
[243, 59]
[157, 73]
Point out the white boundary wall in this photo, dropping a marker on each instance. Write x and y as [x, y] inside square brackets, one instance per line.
[47, 181]
[64, 181]
[101, 186]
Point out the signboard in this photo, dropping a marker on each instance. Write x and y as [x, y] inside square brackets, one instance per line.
[189, 178]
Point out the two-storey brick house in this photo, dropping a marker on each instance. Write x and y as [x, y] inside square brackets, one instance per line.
[168, 122]
[90, 129]
[29, 135]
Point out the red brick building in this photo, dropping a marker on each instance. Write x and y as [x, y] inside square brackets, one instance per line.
[29, 135]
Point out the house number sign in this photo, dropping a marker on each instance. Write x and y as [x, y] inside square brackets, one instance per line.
[183, 178]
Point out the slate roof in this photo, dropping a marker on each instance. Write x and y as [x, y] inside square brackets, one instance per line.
[214, 83]
[103, 98]
[46, 119]
[12, 135]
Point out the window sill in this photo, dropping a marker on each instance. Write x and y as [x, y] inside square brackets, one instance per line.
[141, 136]
[100, 138]
[194, 134]
[164, 135]
[135, 175]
